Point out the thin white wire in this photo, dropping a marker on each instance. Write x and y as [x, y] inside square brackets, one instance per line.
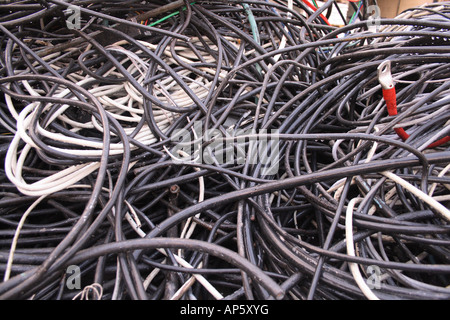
[96, 288]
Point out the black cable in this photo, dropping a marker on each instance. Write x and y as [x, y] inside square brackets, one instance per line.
[126, 97]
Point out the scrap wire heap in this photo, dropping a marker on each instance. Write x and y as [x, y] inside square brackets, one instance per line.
[130, 129]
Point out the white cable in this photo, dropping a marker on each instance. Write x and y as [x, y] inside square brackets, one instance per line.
[443, 211]
[116, 290]
[121, 101]
[216, 294]
[16, 237]
[354, 268]
[283, 41]
[151, 276]
[434, 185]
[51, 184]
[187, 233]
[211, 289]
[443, 132]
[133, 220]
[181, 291]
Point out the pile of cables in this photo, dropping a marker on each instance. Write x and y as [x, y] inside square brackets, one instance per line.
[223, 150]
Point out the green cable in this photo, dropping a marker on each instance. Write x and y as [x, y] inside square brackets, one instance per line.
[254, 27]
[355, 13]
[169, 16]
[252, 20]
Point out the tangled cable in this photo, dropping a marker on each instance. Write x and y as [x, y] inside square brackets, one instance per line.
[223, 150]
